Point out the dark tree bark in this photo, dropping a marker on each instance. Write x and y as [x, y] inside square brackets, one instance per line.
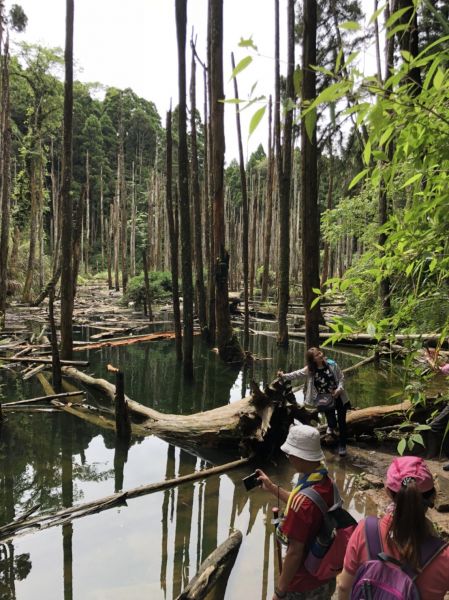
[66, 196]
[269, 210]
[310, 219]
[77, 236]
[408, 39]
[330, 191]
[209, 175]
[173, 234]
[123, 205]
[5, 179]
[383, 207]
[149, 310]
[228, 345]
[245, 215]
[199, 277]
[183, 185]
[284, 178]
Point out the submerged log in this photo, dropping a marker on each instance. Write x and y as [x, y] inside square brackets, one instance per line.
[216, 566]
[87, 508]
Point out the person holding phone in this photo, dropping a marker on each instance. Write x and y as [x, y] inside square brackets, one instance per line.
[302, 517]
[324, 390]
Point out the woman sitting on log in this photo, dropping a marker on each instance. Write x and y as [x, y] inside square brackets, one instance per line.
[324, 391]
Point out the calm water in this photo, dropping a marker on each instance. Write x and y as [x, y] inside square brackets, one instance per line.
[150, 548]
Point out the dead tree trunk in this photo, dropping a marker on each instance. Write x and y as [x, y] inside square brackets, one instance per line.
[284, 178]
[268, 210]
[310, 220]
[245, 233]
[196, 194]
[173, 234]
[67, 297]
[183, 185]
[228, 345]
[5, 158]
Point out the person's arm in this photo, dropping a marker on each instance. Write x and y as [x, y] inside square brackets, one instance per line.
[290, 566]
[271, 487]
[344, 585]
[340, 379]
[300, 373]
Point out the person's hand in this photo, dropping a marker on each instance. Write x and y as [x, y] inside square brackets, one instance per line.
[265, 481]
[335, 393]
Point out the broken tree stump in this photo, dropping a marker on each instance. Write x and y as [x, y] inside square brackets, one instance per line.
[122, 421]
[217, 565]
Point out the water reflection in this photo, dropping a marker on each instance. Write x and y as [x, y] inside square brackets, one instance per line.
[55, 460]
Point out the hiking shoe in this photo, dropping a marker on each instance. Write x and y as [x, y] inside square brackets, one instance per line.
[330, 431]
[341, 450]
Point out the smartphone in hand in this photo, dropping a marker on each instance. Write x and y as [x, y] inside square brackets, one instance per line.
[251, 481]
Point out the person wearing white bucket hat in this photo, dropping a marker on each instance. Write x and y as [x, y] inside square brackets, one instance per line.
[302, 517]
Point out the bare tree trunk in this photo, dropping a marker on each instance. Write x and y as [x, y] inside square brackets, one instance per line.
[109, 241]
[228, 345]
[87, 227]
[310, 213]
[183, 185]
[102, 231]
[5, 123]
[67, 297]
[147, 285]
[173, 234]
[78, 236]
[116, 229]
[269, 210]
[330, 191]
[34, 216]
[245, 215]
[284, 174]
[210, 200]
[132, 241]
[199, 280]
[123, 206]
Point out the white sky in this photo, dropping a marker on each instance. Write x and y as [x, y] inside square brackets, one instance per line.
[133, 44]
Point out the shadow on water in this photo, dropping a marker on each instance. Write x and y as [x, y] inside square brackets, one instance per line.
[151, 548]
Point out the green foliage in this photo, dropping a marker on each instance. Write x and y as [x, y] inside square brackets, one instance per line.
[160, 287]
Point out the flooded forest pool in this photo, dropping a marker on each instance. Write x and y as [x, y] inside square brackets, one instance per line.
[150, 548]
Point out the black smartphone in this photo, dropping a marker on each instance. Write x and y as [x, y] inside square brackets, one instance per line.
[251, 481]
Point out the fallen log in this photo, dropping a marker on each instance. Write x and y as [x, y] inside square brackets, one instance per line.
[128, 340]
[45, 361]
[80, 510]
[216, 566]
[44, 398]
[244, 424]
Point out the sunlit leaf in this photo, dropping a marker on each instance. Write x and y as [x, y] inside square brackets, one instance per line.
[349, 26]
[256, 119]
[401, 446]
[247, 60]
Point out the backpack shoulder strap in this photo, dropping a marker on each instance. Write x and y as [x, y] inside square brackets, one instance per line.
[316, 498]
[372, 537]
[430, 550]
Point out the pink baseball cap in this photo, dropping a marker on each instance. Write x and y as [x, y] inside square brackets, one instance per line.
[409, 466]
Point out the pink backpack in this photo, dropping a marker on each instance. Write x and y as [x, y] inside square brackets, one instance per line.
[324, 559]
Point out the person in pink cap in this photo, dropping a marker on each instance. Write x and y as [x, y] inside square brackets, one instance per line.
[403, 534]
